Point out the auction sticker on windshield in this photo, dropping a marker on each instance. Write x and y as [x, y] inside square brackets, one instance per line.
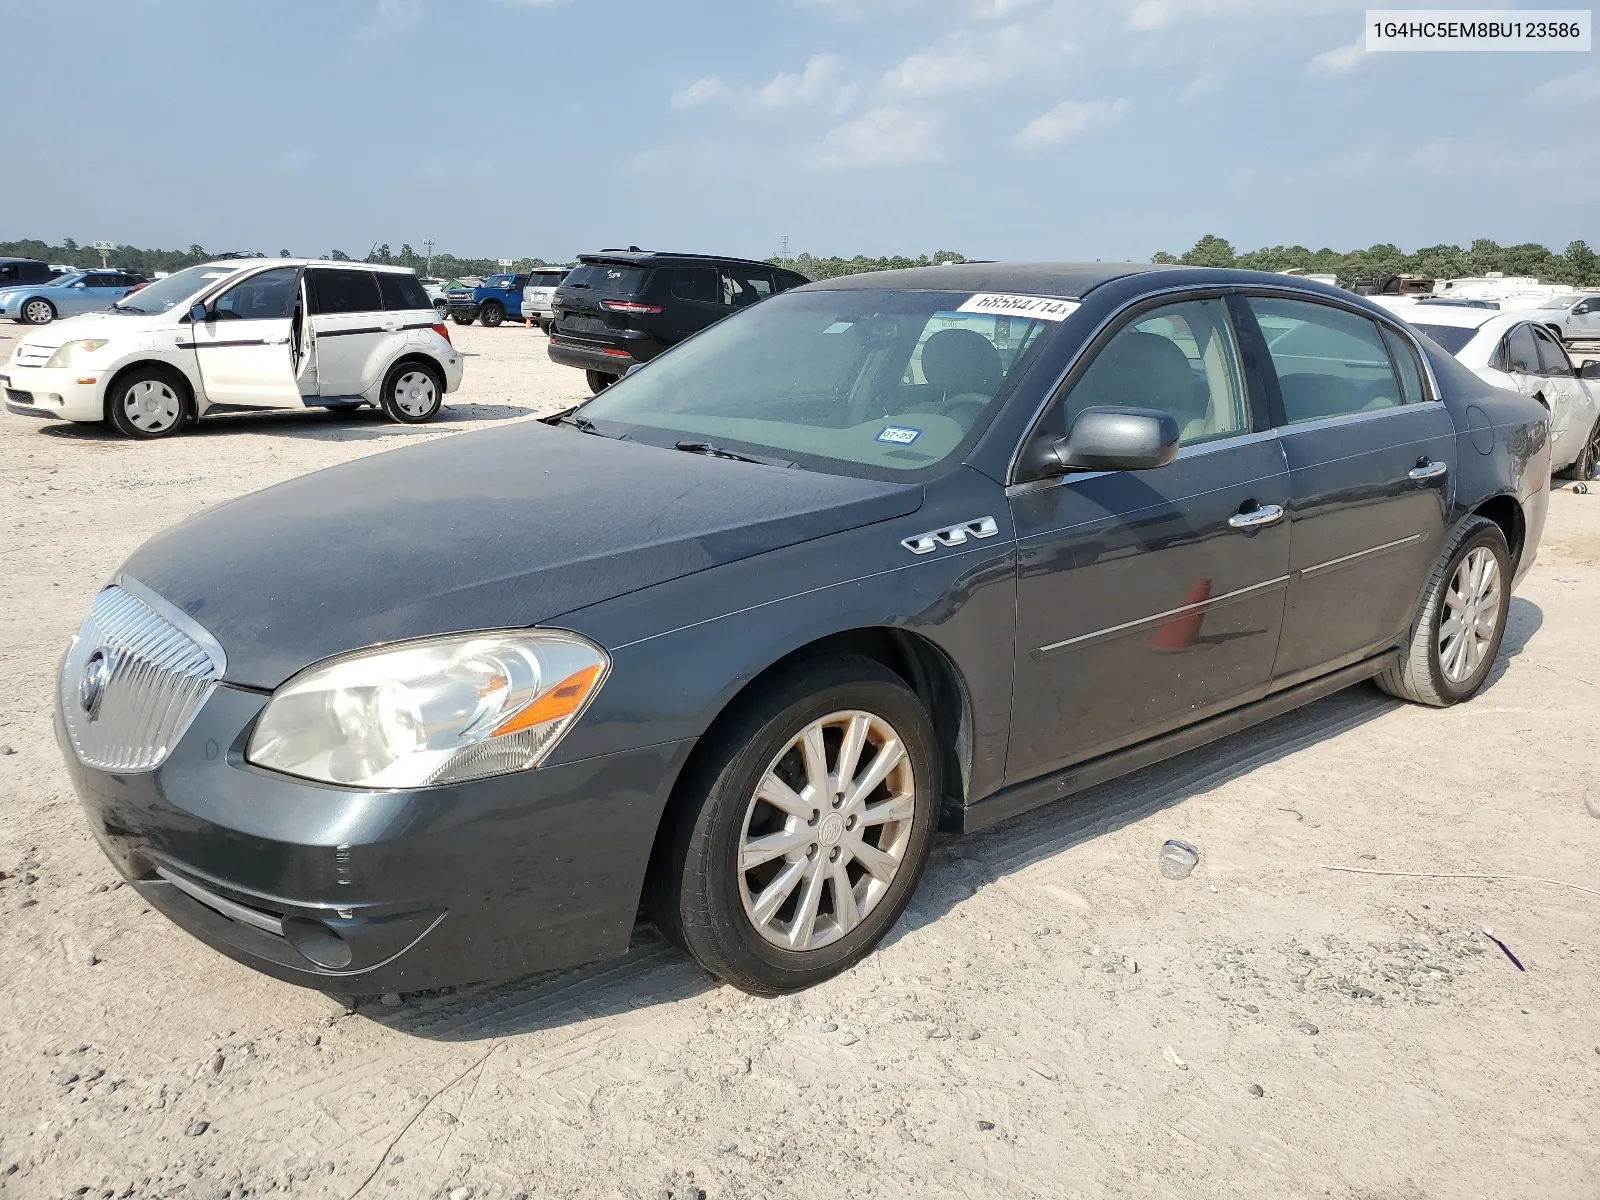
[1041, 308]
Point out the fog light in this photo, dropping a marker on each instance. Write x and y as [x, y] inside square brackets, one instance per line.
[318, 943]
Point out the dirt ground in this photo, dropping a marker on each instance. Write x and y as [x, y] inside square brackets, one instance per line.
[1051, 1018]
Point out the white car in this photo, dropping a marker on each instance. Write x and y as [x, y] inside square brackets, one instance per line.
[1573, 317]
[539, 292]
[1515, 351]
[243, 333]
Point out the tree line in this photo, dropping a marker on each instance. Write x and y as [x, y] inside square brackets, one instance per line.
[1577, 265]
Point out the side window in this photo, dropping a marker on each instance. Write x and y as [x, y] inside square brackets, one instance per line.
[695, 283]
[268, 296]
[1407, 367]
[402, 293]
[1179, 357]
[9, 273]
[1522, 352]
[1330, 363]
[344, 291]
[103, 281]
[741, 288]
[1553, 359]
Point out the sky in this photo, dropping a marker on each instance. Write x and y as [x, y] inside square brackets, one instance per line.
[1022, 129]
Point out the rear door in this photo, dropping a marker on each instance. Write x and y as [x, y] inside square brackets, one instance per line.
[351, 327]
[247, 351]
[1566, 397]
[408, 318]
[691, 299]
[1371, 457]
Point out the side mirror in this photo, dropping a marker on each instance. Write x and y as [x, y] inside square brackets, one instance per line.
[1112, 439]
[199, 313]
[1590, 370]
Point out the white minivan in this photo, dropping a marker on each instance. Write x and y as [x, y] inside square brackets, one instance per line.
[242, 333]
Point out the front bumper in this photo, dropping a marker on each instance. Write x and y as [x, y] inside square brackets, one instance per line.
[54, 392]
[373, 891]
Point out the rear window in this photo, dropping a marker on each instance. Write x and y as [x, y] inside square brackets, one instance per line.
[402, 292]
[1453, 338]
[345, 291]
[609, 279]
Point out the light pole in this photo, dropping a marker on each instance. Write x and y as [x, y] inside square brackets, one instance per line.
[427, 244]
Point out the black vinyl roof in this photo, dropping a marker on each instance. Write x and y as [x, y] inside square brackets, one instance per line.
[1070, 281]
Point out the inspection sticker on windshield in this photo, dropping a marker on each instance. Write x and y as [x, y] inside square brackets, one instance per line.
[1040, 308]
[899, 435]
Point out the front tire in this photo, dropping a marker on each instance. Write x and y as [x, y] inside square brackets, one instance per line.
[491, 315]
[149, 403]
[38, 312]
[412, 393]
[1459, 627]
[793, 852]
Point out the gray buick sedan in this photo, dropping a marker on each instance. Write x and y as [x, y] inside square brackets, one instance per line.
[728, 642]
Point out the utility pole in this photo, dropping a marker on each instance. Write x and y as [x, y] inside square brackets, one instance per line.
[427, 244]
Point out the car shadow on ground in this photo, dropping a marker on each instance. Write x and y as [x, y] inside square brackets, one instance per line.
[653, 971]
[318, 424]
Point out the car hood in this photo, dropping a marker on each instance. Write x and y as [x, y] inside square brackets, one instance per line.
[95, 324]
[499, 529]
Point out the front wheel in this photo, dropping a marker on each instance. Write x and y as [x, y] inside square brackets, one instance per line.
[803, 828]
[412, 393]
[148, 403]
[38, 312]
[1458, 629]
[1587, 464]
[491, 315]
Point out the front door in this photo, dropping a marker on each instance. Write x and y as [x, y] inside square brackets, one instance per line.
[246, 350]
[1371, 464]
[1147, 600]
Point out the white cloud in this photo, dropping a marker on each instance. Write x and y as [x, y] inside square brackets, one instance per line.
[884, 136]
[1067, 120]
[964, 61]
[815, 82]
[1341, 60]
[701, 91]
[1203, 84]
[1581, 87]
[392, 17]
[1159, 14]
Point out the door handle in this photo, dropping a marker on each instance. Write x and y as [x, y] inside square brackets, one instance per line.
[1257, 518]
[1428, 470]
[391, 326]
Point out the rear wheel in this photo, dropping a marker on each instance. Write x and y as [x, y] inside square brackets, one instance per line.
[1458, 629]
[38, 312]
[148, 403]
[412, 393]
[599, 381]
[1587, 465]
[804, 829]
[491, 314]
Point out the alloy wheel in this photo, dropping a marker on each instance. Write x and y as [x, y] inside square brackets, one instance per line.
[1588, 464]
[415, 393]
[1471, 615]
[827, 830]
[152, 406]
[37, 312]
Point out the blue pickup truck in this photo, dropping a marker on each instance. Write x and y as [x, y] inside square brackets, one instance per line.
[489, 302]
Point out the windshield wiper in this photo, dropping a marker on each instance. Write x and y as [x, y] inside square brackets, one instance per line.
[128, 308]
[713, 451]
[581, 424]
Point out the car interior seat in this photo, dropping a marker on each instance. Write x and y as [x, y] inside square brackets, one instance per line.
[1144, 370]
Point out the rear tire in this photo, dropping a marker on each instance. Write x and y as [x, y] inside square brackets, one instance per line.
[149, 403]
[38, 312]
[599, 381]
[491, 314]
[775, 897]
[1457, 631]
[412, 393]
[1587, 465]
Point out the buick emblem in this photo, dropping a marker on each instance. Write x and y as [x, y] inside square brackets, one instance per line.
[92, 687]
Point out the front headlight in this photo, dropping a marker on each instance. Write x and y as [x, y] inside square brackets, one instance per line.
[438, 711]
[70, 354]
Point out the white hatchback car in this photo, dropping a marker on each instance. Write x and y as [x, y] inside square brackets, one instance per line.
[243, 333]
[1515, 351]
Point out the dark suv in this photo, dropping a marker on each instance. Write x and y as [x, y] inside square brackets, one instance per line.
[622, 307]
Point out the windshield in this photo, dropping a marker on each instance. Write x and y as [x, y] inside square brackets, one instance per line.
[1559, 301]
[498, 281]
[70, 277]
[1453, 338]
[166, 293]
[874, 383]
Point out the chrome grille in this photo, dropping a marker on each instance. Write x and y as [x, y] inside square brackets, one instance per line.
[134, 678]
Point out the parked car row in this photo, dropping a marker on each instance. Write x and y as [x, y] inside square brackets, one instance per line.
[77, 291]
[239, 333]
[891, 552]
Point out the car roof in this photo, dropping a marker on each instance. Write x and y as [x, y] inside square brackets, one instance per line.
[26, 260]
[1453, 315]
[658, 258]
[245, 264]
[1067, 280]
